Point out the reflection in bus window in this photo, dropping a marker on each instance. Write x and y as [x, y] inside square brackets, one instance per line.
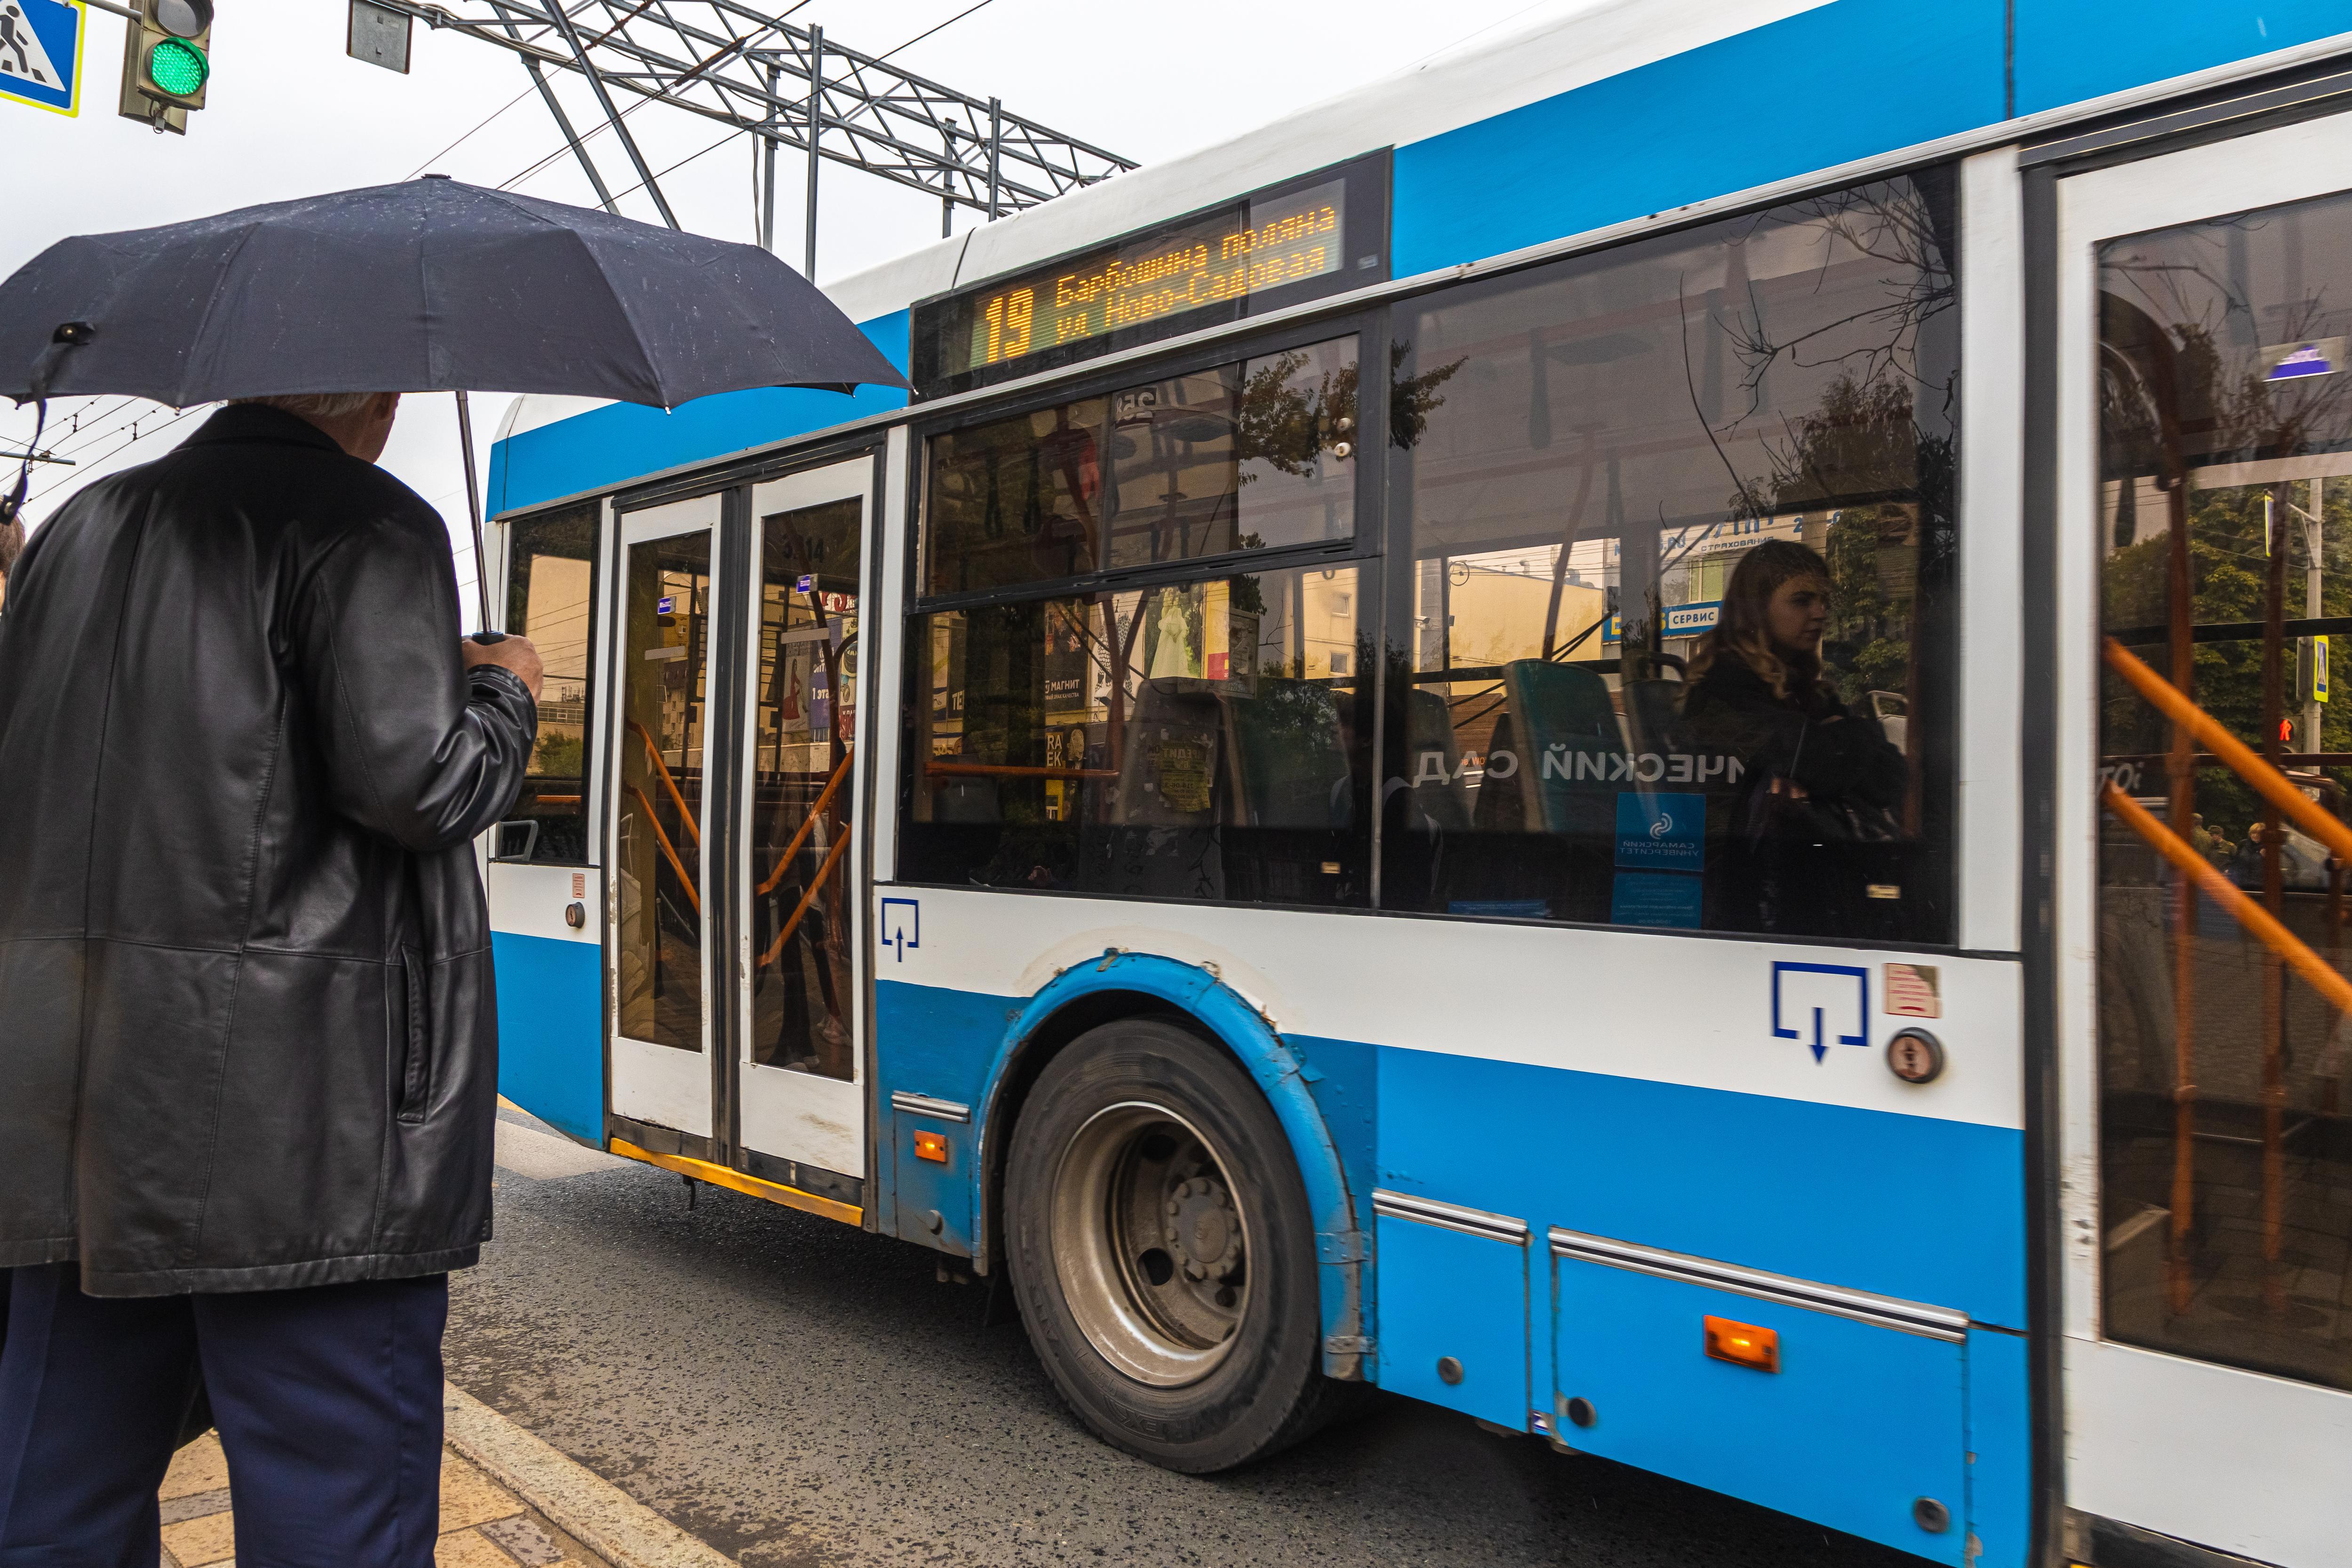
[1204, 740]
[1680, 517]
[551, 593]
[1248, 455]
[2225, 534]
[804, 715]
[664, 664]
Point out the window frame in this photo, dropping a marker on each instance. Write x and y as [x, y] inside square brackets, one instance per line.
[1368, 326]
[1381, 540]
[1397, 584]
[599, 514]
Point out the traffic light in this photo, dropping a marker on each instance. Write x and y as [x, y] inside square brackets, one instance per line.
[166, 61]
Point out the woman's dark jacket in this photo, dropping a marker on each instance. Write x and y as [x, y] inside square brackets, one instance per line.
[1790, 863]
[247, 1037]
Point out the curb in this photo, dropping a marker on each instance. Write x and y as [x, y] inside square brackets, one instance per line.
[576, 1500]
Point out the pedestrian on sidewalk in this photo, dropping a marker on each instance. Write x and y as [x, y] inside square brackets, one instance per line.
[248, 1041]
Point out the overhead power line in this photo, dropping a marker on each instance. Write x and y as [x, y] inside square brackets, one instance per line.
[743, 65]
[942, 28]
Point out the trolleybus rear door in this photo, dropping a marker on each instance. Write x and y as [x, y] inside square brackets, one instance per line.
[661, 1019]
[799, 964]
[2204, 544]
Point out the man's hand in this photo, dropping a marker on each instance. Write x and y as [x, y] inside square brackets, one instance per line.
[511, 652]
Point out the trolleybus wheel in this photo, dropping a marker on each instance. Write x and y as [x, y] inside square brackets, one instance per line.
[1162, 1252]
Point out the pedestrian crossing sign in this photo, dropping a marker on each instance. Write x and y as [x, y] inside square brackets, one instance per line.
[40, 53]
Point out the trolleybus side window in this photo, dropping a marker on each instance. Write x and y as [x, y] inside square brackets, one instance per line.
[1680, 524]
[2225, 426]
[550, 595]
[1247, 456]
[1201, 741]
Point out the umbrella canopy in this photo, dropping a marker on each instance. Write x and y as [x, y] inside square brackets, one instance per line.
[429, 285]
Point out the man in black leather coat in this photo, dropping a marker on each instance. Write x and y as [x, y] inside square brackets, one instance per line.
[247, 1040]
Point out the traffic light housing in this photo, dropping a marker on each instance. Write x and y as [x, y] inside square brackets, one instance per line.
[167, 61]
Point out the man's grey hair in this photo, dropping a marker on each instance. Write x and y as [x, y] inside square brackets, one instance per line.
[315, 405]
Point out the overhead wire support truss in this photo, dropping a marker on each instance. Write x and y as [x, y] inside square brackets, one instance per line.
[740, 64]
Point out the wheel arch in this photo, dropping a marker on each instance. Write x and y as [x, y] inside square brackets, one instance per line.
[1121, 984]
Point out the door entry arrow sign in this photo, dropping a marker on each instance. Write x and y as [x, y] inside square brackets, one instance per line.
[902, 925]
[40, 53]
[1833, 995]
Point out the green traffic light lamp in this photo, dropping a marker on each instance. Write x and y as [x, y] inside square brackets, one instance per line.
[178, 66]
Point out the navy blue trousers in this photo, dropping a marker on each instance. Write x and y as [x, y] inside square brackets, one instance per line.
[327, 1402]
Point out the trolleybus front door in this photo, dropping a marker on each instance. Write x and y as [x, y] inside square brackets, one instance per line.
[661, 1020]
[799, 963]
[2204, 485]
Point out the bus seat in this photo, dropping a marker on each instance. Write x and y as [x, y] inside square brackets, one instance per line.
[1292, 756]
[1559, 713]
[1429, 736]
[1653, 712]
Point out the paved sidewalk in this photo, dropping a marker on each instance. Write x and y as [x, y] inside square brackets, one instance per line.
[483, 1525]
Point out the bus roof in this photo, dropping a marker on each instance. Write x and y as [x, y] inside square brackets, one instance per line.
[1626, 109]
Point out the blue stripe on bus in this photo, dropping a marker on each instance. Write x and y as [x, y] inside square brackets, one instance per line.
[1822, 87]
[2069, 50]
[622, 441]
[550, 1030]
[1807, 92]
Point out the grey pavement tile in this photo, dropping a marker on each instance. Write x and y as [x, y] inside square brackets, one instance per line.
[195, 1505]
[524, 1541]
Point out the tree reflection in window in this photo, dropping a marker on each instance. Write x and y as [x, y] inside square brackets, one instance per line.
[1612, 435]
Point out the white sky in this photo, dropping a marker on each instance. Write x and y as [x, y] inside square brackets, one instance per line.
[291, 115]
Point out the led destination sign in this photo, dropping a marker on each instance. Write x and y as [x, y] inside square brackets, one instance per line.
[1127, 289]
[1237, 252]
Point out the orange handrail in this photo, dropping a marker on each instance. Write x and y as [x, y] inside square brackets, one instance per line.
[2259, 921]
[2235, 755]
[840, 772]
[692, 897]
[776, 948]
[661, 771]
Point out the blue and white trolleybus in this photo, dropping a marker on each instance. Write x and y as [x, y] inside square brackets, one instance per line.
[1630, 733]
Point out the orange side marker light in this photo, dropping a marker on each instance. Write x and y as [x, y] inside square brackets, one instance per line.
[931, 1146]
[1743, 1345]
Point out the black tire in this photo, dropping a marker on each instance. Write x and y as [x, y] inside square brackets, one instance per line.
[1132, 1343]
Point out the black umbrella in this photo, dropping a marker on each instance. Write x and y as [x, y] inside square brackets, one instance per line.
[425, 286]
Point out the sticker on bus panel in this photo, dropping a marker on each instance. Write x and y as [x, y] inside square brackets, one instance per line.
[1821, 1004]
[1912, 992]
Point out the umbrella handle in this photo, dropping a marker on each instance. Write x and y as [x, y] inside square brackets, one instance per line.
[487, 638]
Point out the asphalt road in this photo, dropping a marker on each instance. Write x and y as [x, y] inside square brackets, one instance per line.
[797, 1393]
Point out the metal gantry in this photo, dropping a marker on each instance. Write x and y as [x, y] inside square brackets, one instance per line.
[743, 64]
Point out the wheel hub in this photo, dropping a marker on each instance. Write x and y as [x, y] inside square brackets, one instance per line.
[1203, 1228]
[1151, 1244]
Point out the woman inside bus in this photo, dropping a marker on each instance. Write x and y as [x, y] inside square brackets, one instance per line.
[1802, 832]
